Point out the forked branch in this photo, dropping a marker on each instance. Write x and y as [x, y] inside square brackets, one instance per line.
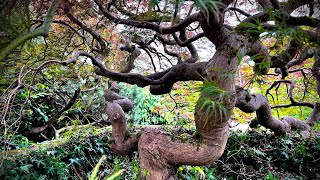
[290, 94]
[148, 25]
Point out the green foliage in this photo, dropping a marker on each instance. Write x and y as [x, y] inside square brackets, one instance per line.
[209, 7]
[57, 159]
[260, 155]
[12, 26]
[252, 29]
[251, 155]
[211, 89]
[212, 108]
[146, 107]
[212, 102]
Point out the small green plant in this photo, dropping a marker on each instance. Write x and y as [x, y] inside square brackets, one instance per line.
[209, 7]
[212, 102]
[94, 174]
[271, 177]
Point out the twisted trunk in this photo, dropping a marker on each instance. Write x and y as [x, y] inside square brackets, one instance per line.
[161, 154]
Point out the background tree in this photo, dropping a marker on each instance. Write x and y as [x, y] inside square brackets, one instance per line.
[176, 24]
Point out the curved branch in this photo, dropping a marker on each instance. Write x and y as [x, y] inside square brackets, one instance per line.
[172, 53]
[94, 34]
[124, 142]
[261, 17]
[63, 23]
[192, 49]
[179, 72]
[55, 117]
[186, 42]
[42, 30]
[165, 41]
[290, 5]
[293, 102]
[306, 54]
[148, 25]
[259, 104]
[238, 10]
[121, 9]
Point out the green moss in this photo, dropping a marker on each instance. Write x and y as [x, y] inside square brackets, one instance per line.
[197, 135]
[183, 137]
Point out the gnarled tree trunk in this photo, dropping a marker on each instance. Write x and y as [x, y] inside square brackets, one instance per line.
[160, 154]
[259, 104]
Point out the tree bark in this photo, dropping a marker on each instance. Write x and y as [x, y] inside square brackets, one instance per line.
[314, 116]
[161, 154]
[124, 142]
[259, 104]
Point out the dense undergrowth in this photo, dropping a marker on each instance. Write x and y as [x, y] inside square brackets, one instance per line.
[249, 155]
[74, 155]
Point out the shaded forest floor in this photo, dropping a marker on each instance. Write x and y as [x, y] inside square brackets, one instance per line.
[248, 155]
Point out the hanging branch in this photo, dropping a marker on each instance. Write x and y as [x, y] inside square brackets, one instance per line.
[293, 102]
[41, 31]
[83, 26]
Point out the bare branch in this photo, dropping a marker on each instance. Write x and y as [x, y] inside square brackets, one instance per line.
[55, 117]
[179, 72]
[293, 102]
[172, 53]
[62, 23]
[306, 54]
[148, 25]
[238, 10]
[94, 34]
[290, 5]
[186, 42]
